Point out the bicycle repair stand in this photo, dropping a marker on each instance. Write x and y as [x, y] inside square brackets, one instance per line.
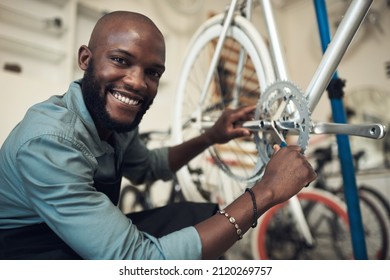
[336, 94]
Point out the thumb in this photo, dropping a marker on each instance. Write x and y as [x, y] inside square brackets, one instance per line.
[276, 148]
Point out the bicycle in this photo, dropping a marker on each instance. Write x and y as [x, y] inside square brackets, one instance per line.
[375, 207]
[135, 198]
[228, 65]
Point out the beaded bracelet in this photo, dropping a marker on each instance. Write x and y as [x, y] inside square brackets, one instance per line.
[233, 222]
[249, 190]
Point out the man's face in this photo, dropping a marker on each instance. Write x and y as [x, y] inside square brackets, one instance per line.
[122, 78]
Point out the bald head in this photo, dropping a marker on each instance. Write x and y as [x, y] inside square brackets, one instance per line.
[122, 21]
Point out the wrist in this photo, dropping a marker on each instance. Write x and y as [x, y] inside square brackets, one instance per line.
[208, 137]
[264, 197]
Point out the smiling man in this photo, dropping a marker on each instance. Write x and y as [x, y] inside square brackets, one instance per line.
[61, 167]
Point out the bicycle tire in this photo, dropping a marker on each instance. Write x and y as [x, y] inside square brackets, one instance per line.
[138, 198]
[214, 163]
[383, 201]
[376, 232]
[276, 236]
[132, 199]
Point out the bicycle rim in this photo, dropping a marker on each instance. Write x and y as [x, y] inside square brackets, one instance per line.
[376, 233]
[277, 236]
[384, 207]
[238, 159]
[375, 228]
[378, 197]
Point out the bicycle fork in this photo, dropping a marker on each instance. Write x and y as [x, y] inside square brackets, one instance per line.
[299, 217]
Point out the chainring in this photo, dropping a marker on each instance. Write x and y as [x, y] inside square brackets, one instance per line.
[293, 116]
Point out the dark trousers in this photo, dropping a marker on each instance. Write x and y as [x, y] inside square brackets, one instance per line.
[39, 242]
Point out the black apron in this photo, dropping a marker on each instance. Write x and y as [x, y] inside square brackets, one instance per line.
[39, 242]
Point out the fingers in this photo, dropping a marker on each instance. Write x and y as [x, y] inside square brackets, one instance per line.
[277, 148]
[231, 118]
[243, 113]
[225, 127]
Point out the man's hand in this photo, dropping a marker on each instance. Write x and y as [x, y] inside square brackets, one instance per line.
[287, 172]
[226, 128]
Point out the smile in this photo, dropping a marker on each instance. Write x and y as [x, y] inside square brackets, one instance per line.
[125, 99]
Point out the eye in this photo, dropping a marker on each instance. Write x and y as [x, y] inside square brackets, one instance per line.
[119, 60]
[154, 73]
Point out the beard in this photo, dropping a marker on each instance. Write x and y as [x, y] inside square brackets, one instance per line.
[95, 99]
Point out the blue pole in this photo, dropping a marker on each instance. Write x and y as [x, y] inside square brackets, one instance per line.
[345, 154]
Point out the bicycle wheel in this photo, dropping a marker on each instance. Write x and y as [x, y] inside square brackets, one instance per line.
[384, 207]
[132, 199]
[230, 88]
[376, 233]
[277, 235]
[380, 199]
[375, 228]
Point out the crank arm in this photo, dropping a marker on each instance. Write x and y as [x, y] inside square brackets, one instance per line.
[264, 125]
[373, 131]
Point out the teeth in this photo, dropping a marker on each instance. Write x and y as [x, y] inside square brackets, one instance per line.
[125, 99]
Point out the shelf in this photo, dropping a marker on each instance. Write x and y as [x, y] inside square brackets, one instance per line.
[28, 48]
[51, 25]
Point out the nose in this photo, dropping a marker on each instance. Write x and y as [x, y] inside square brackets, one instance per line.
[135, 79]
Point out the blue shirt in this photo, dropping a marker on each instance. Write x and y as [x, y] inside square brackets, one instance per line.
[48, 166]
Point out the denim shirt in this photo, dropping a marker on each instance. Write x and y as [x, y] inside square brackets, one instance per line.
[48, 166]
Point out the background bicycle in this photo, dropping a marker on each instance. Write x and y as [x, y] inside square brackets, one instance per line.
[374, 205]
[284, 242]
[154, 194]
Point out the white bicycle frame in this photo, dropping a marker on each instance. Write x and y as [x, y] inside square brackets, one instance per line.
[327, 67]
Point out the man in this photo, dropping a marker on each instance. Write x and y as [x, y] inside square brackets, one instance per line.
[60, 168]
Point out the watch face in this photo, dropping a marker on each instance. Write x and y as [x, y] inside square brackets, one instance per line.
[364, 106]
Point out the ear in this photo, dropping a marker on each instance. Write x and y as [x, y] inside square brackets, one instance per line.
[84, 56]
